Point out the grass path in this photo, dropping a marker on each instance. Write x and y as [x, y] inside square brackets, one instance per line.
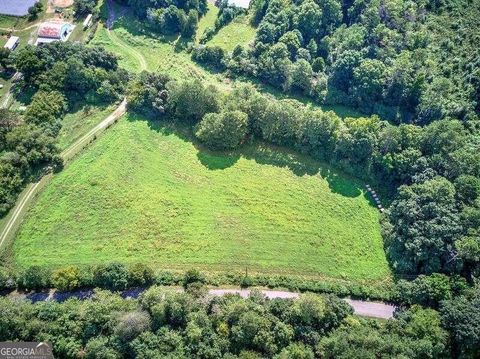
[130, 50]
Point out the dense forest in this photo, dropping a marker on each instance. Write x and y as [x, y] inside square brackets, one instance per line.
[407, 61]
[164, 323]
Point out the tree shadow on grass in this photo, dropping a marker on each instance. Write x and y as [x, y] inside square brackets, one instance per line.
[339, 183]
[262, 153]
[220, 161]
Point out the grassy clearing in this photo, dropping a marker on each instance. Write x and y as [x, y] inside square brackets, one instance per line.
[208, 20]
[144, 193]
[238, 32]
[79, 121]
[131, 42]
[137, 49]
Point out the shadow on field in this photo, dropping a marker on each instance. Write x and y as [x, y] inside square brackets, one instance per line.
[262, 153]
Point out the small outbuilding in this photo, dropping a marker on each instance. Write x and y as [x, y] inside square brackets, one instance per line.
[12, 43]
[87, 21]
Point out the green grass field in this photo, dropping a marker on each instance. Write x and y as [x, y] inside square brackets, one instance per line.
[144, 193]
[238, 32]
[208, 20]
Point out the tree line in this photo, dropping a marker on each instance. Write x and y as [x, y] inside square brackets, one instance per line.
[164, 323]
[59, 75]
[170, 17]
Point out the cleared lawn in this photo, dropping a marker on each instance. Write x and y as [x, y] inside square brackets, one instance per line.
[144, 193]
[238, 32]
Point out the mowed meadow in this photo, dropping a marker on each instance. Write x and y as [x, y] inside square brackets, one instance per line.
[143, 192]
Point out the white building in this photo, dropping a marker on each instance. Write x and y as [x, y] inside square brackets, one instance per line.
[87, 21]
[12, 43]
[53, 31]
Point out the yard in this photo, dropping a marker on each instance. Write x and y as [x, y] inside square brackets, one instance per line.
[145, 193]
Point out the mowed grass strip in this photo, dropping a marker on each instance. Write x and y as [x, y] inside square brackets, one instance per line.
[238, 32]
[145, 193]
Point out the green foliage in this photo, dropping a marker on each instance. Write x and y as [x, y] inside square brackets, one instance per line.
[148, 94]
[428, 290]
[84, 7]
[34, 277]
[191, 100]
[65, 279]
[226, 130]
[140, 274]
[460, 316]
[113, 276]
[209, 55]
[193, 276]
[416, 333]
[34, 10]
[425, 224]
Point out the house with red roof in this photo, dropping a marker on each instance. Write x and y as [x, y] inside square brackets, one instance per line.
[53, 31]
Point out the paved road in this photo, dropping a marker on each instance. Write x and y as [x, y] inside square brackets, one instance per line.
[360, 307]
[19, 210]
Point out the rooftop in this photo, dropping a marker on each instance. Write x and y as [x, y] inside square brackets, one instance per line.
[11, 42]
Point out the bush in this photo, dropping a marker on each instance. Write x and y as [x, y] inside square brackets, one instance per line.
[209, 55]
[140, 274]
[427, 290]
[225, 130]
[113, 276]
[34, 278]
[193, 276]
[131, 325]
[167, 278]
[6, 279]
[34, 10]
[246, 282]
[67, 278]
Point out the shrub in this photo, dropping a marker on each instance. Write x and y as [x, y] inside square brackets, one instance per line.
[34, 277]
[246, 282]
[140, 274]
[167, 278]
[192, 276]
[113, 276]
[6, 279]
[67, 278]
[426, 290]
[131, 325]
[209, 55]
[225, 130]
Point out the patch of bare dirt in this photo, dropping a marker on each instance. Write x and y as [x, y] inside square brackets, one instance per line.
[52, 4]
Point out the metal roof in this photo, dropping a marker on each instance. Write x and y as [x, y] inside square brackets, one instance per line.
[12, 41]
